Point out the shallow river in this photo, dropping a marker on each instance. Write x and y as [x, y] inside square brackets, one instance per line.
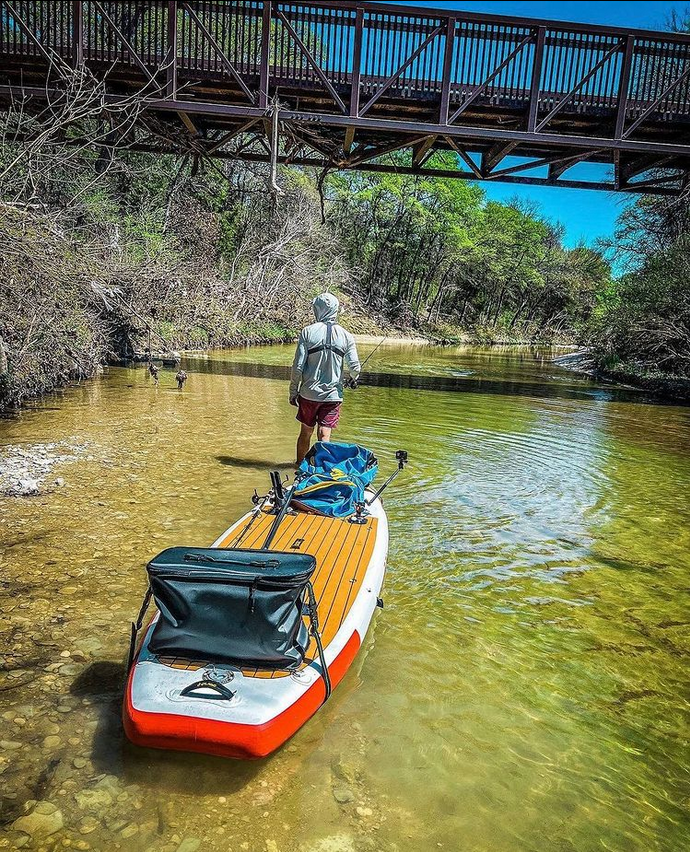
[525, 687]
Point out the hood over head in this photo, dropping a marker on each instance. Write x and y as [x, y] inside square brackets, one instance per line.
[325, 307]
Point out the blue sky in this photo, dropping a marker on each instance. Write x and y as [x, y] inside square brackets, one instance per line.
[586, 214]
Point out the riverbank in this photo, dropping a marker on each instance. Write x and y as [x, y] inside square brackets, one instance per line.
[661, 384]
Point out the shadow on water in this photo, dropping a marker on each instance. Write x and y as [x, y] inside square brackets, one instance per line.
[112, 753]
[449, 384]
[254, 464]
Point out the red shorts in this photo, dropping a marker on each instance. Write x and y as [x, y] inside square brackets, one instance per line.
[324, 413]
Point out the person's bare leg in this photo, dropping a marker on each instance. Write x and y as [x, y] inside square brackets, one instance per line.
[304, 441]
[324, 433]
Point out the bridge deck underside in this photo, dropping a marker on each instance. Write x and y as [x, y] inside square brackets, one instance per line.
[351, 83]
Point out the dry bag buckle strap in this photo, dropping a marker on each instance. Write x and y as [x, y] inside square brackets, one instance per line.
[314, 620]
[136, 627]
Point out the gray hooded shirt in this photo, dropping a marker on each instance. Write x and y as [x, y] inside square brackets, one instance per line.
[323, 349]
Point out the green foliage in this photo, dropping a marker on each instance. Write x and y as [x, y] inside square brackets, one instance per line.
[643, 318]
[432, 249]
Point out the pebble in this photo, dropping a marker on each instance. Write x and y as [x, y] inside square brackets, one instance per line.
[343, 795]
[27, 487]
[52, 741]
[94, 800]
[79, 762]
[189, 844]
[364, 812]
[88, 824]
[130, 830]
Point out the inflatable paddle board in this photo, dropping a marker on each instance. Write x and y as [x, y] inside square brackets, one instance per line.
[222, 709]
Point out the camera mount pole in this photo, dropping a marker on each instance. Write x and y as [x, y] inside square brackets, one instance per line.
[401, 456]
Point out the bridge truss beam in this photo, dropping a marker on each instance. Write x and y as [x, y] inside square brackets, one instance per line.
[351, 83]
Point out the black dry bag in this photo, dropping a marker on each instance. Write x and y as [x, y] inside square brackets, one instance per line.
[236, 606]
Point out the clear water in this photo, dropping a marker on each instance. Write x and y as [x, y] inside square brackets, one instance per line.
[525, 688]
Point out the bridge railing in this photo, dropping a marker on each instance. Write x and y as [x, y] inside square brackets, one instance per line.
[360, 52]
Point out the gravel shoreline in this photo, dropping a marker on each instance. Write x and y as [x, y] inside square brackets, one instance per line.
[29, 470]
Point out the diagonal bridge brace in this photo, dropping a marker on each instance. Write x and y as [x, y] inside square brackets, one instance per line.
[126, 42]
[401, 70]
[618, 46]
[219, 52]
[650, 109]
[28, 32]
[304, 50]
[482, 86]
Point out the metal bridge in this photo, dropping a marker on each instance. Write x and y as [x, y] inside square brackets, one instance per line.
[345, 84]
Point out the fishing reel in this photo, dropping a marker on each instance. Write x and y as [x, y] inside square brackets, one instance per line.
[360, 514]
[401, 458]
[256, 498]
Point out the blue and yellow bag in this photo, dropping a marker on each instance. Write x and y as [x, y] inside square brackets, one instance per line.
[334, 478]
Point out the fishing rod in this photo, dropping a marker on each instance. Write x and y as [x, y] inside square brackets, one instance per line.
[383, 340]
[353, 383]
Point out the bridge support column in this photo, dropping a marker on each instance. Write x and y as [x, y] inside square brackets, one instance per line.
[265, 52]
[77, 33]
[171, 56]
[447, 70]
[536, 79]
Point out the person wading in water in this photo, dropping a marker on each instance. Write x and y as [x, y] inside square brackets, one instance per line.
[323, 351]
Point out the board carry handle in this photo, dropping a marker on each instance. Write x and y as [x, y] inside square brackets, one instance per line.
[223, 693]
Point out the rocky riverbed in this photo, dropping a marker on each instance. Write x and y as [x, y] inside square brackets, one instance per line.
[26, 471]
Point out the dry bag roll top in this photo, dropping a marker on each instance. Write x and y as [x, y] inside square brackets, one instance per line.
[244, 607]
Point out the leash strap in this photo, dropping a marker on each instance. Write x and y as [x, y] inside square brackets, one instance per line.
[136, 627]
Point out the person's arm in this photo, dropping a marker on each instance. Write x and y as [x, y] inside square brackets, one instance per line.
[298, 368]
[352, 359]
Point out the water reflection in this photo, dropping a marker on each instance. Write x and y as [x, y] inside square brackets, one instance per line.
[560, 389]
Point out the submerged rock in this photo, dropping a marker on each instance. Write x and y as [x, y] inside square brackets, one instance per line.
[27, 487]
[45, 819]
[88, 824]
[189, 844]
[343, 794]
[93, 800]
[332, 843]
